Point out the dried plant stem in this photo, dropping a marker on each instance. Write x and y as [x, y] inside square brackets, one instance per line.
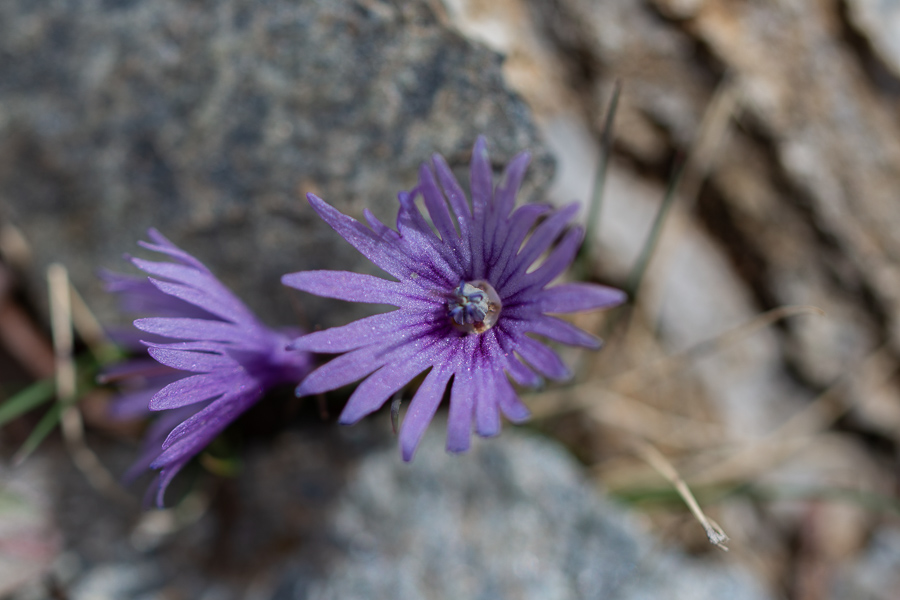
[22, 339]
[655, 459]
[754, 458]
[61, 327]
[669, 365]
[66, 386]
[712, 133]
[606, 142]
[621, 410]
[629, 414]
[89, 328]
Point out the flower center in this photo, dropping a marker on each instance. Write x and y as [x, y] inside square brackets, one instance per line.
[474, 306]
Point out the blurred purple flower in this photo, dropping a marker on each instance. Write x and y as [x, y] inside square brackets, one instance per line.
[235, 358]
[467, 295]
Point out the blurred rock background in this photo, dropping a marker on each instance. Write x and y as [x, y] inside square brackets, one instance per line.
[210, 120]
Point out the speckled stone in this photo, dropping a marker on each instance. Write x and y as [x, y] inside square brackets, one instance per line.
[212, 120]
[330, 513]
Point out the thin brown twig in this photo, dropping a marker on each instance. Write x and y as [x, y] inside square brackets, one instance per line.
[748, 460]
[14, 247]
[19, 335]
[628, 414]
[661, 464]
[666, 366]
[753, 458]
[88, 327]
[711, 134]
[66, 387]
[609, 406]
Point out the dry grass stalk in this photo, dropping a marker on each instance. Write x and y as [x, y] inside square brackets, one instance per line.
[629, 414]
[66, 387]
[655, 459]
[88, 327]
[758, 456]
[644, 374]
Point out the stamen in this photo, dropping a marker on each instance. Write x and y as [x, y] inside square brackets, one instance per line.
[474, 306]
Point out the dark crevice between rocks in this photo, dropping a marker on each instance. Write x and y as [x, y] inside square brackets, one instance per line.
[879, 73]
[835, 263]
[572, 41]
[834, 260]
[720, 222]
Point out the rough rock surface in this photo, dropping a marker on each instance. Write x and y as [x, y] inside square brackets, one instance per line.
[323, 515]
[211, 120]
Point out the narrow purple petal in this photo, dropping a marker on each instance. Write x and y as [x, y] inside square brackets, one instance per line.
[434, 261]
[224, 306]
[487, 413]
[372, 393]
[455, 196]
[196, 432]
[172, 271]
[132, 368]
[363, 239]
[462, 411]
[164, 246]
[412, 225]
[196, 362]
[495, 225]
[132, 405]
[380, 385]
[518, 371]
[354, 335]
[561, 331]
[560, 258]
[540, 241]
[138, 296]
[509, 402]
[344, 285]
[342, 370]
[162, 426]
[542, 358]
[191, 329]
[196, 388]
[217, 347]
[516, 228]
[480, 177]
[388, 235]
[198, 287]
[166, 475]
[575, 297]
[505, 196]
[421, 410]
[437, 206]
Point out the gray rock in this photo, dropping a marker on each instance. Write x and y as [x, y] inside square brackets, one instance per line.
[211, 120]
[879, 21]
[875, 575]
[515, 518]
[334, 513]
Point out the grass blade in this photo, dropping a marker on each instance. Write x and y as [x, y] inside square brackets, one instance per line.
[640, 267]
[49, 421]
[606, 140]
[31, 397]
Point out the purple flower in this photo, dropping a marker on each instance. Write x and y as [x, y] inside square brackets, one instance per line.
[234, 358]
[470, 287]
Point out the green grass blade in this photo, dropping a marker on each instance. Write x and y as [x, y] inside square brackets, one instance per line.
[606, 141]
[39, 433]
[664, 496]
[31, 397]
[640, 268]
